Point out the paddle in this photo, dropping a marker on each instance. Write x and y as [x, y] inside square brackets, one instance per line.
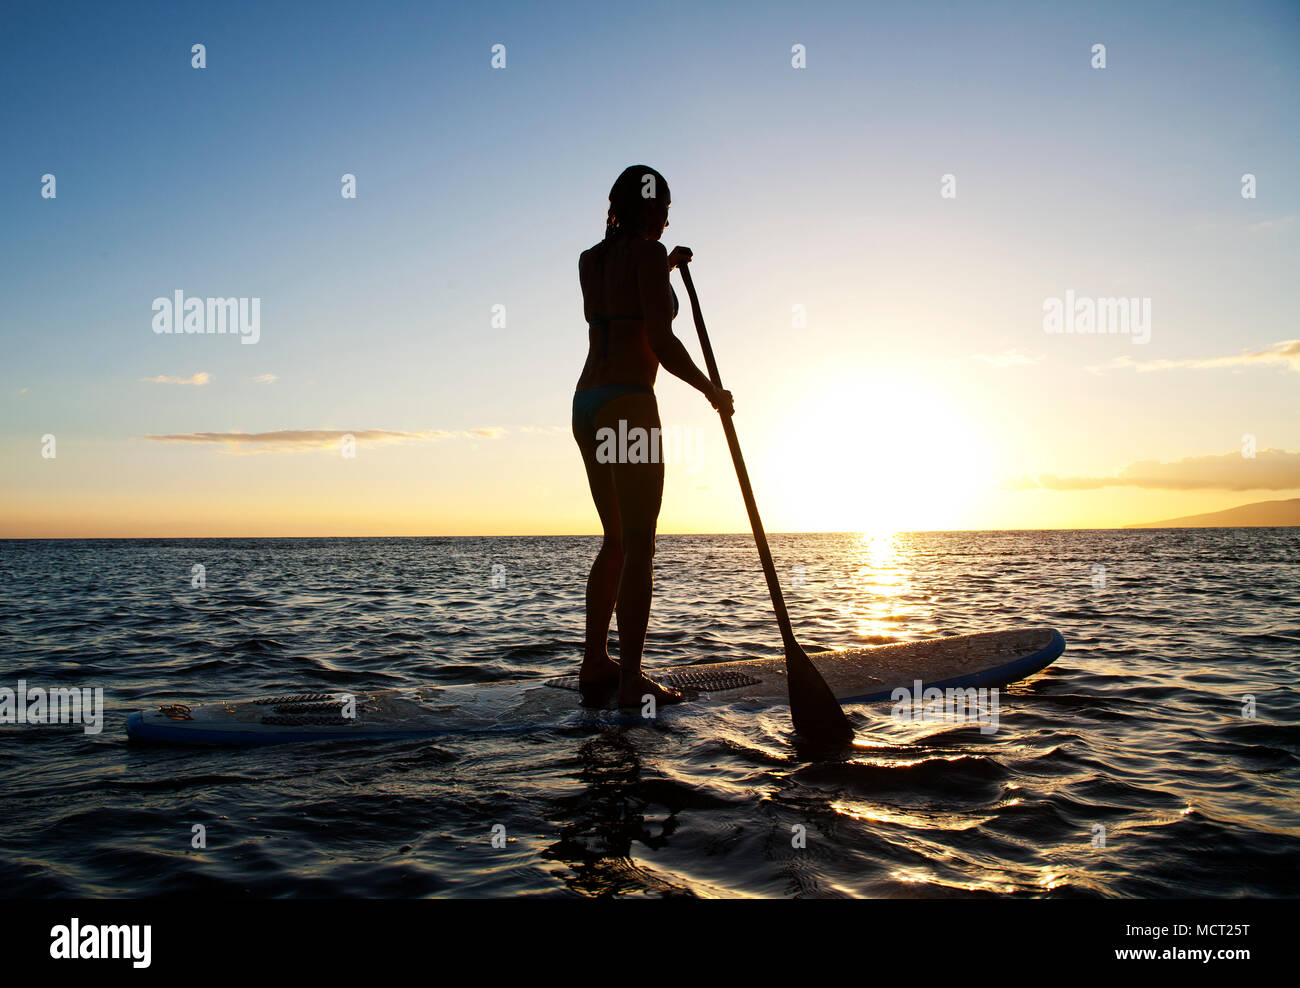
[816, 713]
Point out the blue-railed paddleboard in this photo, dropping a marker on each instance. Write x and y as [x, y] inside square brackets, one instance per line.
[855, 675]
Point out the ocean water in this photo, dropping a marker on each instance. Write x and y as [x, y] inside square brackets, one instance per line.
[1139, 733]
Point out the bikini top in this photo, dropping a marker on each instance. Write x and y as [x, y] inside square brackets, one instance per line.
[604, 321]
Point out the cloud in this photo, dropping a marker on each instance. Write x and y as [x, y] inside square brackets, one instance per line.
[294, 439]
[1281, 221]
[1285, 353]
[1269, 470]
[198, 380]
[1007, 358]
[265, 379]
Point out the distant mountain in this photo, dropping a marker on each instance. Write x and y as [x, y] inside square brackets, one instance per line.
[1259, 514]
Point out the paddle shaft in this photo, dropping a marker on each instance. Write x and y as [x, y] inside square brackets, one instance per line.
[813, 707]
[746, 490]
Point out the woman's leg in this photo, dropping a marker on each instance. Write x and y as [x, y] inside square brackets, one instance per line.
[638, 489]
[602, 582]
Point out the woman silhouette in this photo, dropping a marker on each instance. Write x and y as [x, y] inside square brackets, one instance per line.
[629, 307]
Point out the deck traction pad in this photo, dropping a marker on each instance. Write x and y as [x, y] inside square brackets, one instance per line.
[691, 682]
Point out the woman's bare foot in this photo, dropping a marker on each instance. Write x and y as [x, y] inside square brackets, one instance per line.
[632, 694]
[600, 671]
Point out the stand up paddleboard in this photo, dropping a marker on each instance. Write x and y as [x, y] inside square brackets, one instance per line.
[855, 675]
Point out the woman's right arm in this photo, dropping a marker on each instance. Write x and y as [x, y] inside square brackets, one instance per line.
[657, 311]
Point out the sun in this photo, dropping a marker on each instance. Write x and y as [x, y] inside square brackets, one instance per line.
[883, 453]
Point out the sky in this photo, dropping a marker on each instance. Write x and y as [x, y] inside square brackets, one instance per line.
[885, 339]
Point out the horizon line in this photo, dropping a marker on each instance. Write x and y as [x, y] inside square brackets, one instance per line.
[596, 535]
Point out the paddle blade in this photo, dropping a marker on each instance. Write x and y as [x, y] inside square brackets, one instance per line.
[817, 715]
